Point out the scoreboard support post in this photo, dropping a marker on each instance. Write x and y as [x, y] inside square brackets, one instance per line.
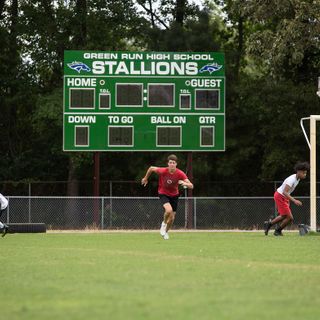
[96, 187]
[190, 191]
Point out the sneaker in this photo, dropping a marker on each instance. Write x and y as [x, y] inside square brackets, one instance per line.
[163, 229]
[266, 226]
[166, 236]
[278, 233]
[5, 230]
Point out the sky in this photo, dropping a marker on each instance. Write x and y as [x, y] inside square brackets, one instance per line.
[198, 2]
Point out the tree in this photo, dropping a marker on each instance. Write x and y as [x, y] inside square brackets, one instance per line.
[15, 90]
[276, 76]
[272, 62]
[287, 42]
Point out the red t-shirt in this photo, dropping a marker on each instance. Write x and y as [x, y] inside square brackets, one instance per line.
[168, 182]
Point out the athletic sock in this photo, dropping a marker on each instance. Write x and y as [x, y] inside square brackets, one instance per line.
[1, 225]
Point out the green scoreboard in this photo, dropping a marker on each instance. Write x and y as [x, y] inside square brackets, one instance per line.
[144, 101]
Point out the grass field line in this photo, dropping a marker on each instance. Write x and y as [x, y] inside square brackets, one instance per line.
[184, 258]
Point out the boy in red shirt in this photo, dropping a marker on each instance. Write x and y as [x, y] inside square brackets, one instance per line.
[169, 180]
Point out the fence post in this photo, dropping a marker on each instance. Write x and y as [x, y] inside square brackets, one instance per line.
[189, 191]
[8, 212]
[110, 187]
[96, 187]
[195, 213]
[102, 213]
[186, 214]
[29, 206]
[275, 213]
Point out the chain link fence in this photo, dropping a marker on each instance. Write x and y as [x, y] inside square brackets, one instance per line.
[80, 213]
[134, 188]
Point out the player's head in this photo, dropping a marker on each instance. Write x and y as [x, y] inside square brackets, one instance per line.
[172, 161]
[301, 168]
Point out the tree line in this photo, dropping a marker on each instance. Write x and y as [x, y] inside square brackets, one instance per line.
[272, 53]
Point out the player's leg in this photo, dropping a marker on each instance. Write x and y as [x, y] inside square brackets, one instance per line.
[1, 224]
[165, 201]
[3, 227]
[288, 219]
[170, 220]
[277, 219]
[270, 223]
[283, 208]
[167, 216]
[174, 206]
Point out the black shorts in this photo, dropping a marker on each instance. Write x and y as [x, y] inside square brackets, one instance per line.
[172, 200]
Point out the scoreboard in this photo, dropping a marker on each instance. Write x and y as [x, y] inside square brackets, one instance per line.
[143, 101]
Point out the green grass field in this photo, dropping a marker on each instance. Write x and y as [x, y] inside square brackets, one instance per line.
[140, 276]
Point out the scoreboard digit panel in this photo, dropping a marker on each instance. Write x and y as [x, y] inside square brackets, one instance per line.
[161, 95]
[143, 101]
[129, 95]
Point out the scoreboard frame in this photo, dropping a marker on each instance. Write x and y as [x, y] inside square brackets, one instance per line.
[143, 101]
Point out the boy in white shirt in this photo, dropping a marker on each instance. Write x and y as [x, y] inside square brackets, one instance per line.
[282, 198]
[3, 205]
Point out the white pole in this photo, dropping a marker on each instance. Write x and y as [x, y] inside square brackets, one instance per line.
[304, 131]
[313, 176]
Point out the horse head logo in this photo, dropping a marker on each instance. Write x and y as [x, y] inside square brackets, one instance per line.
[210, 68]
[78, 66]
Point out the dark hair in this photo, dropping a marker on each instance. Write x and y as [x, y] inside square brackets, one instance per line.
[304, 166]
[173, 157]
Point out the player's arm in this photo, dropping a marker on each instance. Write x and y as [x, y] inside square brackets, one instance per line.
[186, 183]
[287, 195]
[144, 180]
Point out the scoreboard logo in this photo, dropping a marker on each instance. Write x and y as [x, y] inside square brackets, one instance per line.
[79, 66]
[210, 68]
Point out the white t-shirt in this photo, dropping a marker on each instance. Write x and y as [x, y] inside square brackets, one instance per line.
[291, 181]
[3, 202]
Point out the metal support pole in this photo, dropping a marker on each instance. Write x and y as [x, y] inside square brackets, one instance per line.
[304, 131]
[190, 193]
[96, 187]
[8, 212]
[186, 215]
[194, 213]
[313, 167]
[275, 212]
[102, 213]
[29, 201]
[110, 192]
[313, 174]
